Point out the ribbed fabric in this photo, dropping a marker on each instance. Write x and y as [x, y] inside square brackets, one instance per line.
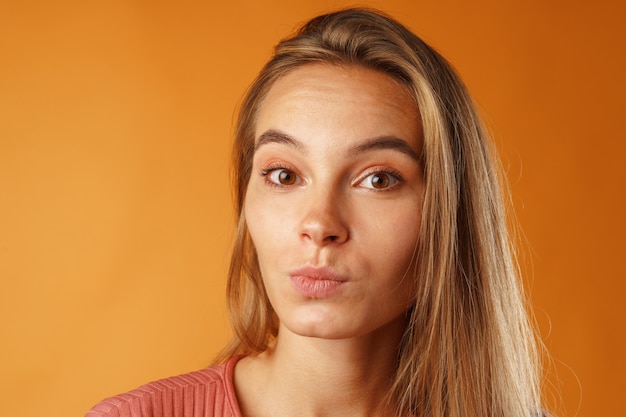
[206, 393]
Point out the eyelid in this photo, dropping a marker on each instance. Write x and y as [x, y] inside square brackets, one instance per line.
[380, 170]
[266, 172]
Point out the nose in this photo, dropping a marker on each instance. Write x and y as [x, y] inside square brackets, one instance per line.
[323, 221]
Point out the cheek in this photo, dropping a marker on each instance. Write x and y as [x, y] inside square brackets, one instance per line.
[266, 222]
[394, 229]
[256, 222]
[391, 243]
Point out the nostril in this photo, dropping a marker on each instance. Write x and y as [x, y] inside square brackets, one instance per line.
[323, 230]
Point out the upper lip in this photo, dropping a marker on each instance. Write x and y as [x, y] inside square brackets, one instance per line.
[320, 273]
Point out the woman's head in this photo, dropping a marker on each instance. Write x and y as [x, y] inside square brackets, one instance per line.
[334, 200]
[359, 38]
[467, 325]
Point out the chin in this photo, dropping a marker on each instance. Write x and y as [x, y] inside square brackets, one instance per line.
[321, 328]
[318, 332]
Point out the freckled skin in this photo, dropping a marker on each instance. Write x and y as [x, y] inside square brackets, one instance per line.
[326, 200]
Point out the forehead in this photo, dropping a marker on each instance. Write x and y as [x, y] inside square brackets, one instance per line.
[340, 99]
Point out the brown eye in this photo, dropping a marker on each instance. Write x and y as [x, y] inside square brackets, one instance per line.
[286, 177]
[380, 181]
[283, 177]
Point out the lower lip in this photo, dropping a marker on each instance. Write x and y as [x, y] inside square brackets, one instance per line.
[316, 288]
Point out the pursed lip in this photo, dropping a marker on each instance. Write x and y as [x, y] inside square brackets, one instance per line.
[317, 282]
[318, 273]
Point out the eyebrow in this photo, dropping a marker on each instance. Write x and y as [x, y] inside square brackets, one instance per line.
[275, 136]
[380, 142]
[387, 142]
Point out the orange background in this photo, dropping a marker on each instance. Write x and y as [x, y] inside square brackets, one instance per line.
[115, 212]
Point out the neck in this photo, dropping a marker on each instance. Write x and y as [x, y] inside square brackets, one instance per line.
[309, 377]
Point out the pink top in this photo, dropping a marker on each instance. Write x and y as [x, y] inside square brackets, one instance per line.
[206, 393]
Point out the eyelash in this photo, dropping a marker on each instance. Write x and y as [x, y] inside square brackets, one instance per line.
[379, 170]
[265, 172]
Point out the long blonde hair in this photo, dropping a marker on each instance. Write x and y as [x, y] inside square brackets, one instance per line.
[469, 349]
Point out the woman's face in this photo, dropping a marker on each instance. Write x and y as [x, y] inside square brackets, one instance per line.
[334, 200]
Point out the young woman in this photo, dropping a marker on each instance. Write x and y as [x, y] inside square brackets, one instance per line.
[372, 273]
